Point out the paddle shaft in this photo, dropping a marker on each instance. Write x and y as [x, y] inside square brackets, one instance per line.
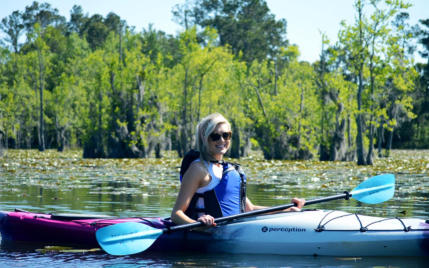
[344, 195]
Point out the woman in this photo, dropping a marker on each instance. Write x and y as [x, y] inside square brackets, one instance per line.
[210, 187]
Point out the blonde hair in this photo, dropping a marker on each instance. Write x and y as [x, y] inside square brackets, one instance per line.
[204, 128]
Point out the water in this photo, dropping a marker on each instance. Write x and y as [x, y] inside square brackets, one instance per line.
[65, 183]
[36, 260]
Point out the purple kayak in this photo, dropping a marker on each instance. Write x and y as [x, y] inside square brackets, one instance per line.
[74, 229]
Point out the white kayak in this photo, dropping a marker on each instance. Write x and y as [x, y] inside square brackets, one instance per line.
[320, 232]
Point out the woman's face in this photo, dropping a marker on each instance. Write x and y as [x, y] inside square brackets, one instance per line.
[219, 141]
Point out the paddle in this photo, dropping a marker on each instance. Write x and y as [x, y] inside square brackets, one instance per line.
[132, 237]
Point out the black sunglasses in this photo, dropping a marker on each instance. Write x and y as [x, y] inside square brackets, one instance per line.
[216, 136]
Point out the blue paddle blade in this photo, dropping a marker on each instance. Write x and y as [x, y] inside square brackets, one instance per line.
[375, 190]
[127, 238]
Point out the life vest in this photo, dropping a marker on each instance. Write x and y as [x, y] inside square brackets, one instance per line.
[228, 197]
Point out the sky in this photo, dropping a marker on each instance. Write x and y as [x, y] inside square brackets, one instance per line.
[306, 19]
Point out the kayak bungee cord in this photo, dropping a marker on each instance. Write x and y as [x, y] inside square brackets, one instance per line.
[364, 228]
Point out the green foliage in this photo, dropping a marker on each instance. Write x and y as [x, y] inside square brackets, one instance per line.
[247, 26]
[375, 56]
[95, 83]
[285, 115]
[415, 134]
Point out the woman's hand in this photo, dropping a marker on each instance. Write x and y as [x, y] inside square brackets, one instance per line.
[207, 220]
[299, 203]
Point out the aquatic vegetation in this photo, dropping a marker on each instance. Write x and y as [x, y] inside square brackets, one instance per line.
[61, 182]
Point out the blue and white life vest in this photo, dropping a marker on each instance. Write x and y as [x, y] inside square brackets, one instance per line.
[222, 196]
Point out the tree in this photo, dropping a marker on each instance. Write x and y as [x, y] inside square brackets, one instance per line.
[12, 26]
[363, 45]
[403, 76]
[69, 103]
[41, 70]
[415, 134]
[44, 15]
[284, 118]
[247, 26]
[95, 31]
[191, 70]
[158, 43]
[336, 102]
[77, 20]
[96, 124]
[206, 80]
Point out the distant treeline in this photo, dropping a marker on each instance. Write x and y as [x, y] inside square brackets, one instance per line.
[96, 83]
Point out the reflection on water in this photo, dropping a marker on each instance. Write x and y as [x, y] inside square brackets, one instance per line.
[66, 183]
[36, 260]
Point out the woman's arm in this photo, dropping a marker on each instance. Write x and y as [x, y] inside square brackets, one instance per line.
[195, 177]
[250, 206]
[300, 202]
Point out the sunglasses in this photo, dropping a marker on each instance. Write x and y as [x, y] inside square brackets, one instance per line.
[216, 136]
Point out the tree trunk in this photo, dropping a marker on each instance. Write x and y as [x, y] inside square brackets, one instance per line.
[1, 142]
[183, 139]
[200, 89]
[235, 147]
[359, 118]
[60, 139]
[380, 139]
[369, 156]
[389, 143]
[158, 150]
[390, 138]
[275, 77]
[260, 101]
[359, 123]
[323, 149]
[301, 110]
[41, 119]
[338, 144]
[99, 140]
[1, 136]
[245, 147]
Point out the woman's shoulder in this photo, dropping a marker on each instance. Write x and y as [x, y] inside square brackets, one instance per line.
[196, 170]
[197, 166]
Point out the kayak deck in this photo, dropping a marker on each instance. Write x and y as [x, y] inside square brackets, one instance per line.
[310, 232]
[23, 226]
